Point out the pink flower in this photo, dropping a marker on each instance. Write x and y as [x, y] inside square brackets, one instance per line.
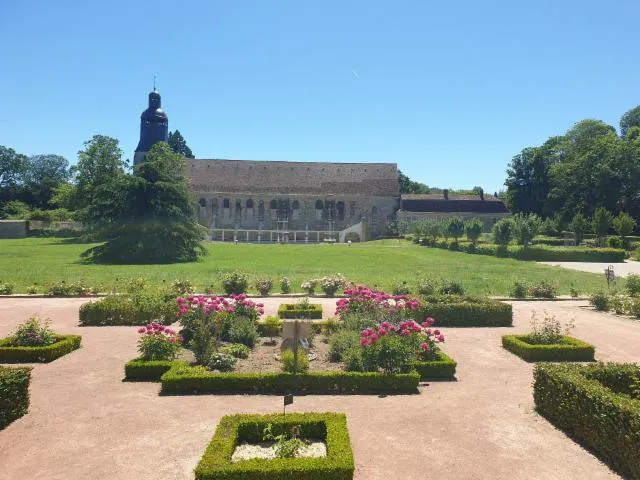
[142, 330]
[364, 341]
[424, 346]
[373, 337]
[441, 338]
[436, 332]
[430, 321]
[405, 332]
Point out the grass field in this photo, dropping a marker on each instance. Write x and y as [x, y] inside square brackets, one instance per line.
[383, 263]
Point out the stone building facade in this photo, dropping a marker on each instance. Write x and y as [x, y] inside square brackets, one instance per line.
[296, 196]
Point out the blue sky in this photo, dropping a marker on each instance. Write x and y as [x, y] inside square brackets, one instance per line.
[448, 90]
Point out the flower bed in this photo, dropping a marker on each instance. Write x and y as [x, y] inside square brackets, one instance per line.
[14, 393]
[311, 311]
[131, 310]
[64, 344]
[570, 350]
[216, 463]
[599, 405]
[185, 380]
[444, 367]
[139, 370]
[457, 311]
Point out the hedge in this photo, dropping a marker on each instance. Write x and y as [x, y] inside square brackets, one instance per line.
[455, 311]
[606, 422]
[185, 380]
[572, 350]
[232, 430]
[14, 393]
[442, 368]
[139, 370]
[125, 310]
[64, 344]
[293, 310]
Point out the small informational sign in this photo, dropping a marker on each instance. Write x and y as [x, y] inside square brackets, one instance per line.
[289, 329]
[288, 399]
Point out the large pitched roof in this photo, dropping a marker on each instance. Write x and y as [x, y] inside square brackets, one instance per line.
[452, 203]
[286, 178]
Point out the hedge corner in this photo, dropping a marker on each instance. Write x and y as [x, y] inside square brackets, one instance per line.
[14, 393]
[571, 350]
[64, 344]
[444, 368]
[293, 311]
[232, 430]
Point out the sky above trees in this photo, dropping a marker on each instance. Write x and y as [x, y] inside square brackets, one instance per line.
[449, 91]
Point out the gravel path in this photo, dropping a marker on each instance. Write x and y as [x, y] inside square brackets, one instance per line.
[84, 422]
[620, 269]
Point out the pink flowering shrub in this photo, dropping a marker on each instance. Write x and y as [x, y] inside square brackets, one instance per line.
[158, 342]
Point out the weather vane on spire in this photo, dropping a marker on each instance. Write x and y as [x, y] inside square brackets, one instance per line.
[154, 83]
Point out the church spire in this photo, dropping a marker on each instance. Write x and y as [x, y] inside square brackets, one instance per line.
[154, 126]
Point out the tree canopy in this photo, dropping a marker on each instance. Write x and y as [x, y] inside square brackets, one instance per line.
[179, 145]
[410, 186]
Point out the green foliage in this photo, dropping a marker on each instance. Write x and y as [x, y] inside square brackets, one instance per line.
[632, 285]
[614, 242]
[410, 186]
[179, 145]
[401, 288]
[288, 364]
[64, 289]
[630, 119]
[64, 344]
[455, 227]
[473, 229]
[503, 231]
[222, 362]
[14, 393]
[525, 228]
[453, 311]
[579, 226]
[182, 287]
[264, 286]
[624, 224]
[552, 226]
[601, 223]
[390, 354]
[241, 330]
[571, 350]
[450, 287]
[426, 286]
[158, 346]
[13, 165]
[135, 310]
[584, 402]
[236, 429]
[296, 310]
[33, 333]
[237, 350]
[600, 301]
[197, 380]
[42, 175]
[443, 367]
[549, 331]
[543, 289]
[540, 253]
[342, 341]
[519, 289]
[235, 282]
[146, 217]
[331, 284]
[139, 370]
[285, 285]
[6, 288]
[271, 327]
[286, 447]
[32, 290]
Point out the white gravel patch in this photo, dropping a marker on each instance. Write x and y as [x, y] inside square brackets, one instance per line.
[267, 451]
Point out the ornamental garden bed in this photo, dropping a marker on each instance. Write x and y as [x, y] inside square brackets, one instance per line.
[62, 345]
[598, 405]
[463, 311]
[235, 430]
[442, 368]
[311, 311]
[14, 393]
[569, 349]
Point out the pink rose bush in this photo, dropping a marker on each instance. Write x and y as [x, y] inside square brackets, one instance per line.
[158, 342]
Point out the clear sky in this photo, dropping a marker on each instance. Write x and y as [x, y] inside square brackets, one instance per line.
[449, 90]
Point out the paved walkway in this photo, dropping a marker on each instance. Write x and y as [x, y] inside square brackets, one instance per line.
[85, 422]
[620, 269]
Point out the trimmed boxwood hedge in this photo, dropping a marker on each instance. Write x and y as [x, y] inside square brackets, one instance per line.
[64, 344]
[455, 311]
[293, 310]
[232, 430]
[138, 370]
[574, 399]
[127, 310]
[572, 350]
[14, 393]
[185, 380]
[442, 368]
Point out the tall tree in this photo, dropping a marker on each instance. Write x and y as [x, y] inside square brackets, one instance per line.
[410, 186]
[629, 119]
[43, 174]
[179, 145]
[12, 167]
[146, 217]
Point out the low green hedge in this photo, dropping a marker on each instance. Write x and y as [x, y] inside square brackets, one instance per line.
[127, 310]
[138, 370]
[572, 350]
[292, 310]
[455, 311]
[232, 430]
[442, 368]
[14, 393]
[185, 380]
[64, 344]
[608, 423]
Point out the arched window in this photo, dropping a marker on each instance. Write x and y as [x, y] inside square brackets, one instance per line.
[203, 202]
[295, 205]
[273, 205]
[249, 203]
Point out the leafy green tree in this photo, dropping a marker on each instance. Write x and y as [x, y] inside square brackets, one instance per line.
[147, 217]
[525, 228]
[455, 228]
[43, 174]
[473, 229]
[629, 119]
[12, 167]
[503, 231]
[624, 225]
[552, 226]
[433, 229]
[410, 186]
[579, 226]
[601, 223]
[179, 145]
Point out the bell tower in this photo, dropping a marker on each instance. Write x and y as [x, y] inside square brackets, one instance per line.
[154, 126]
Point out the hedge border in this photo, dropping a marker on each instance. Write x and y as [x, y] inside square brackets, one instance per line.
[573, 350]
[216, 464]
[121, 310]
[479, 313]
[442, 368]
[605, 422]
[139, 370]
[313, 313]
[186, 380]
[65, 344]
[14, 393]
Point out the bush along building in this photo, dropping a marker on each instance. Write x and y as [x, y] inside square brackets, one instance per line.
[277, 201]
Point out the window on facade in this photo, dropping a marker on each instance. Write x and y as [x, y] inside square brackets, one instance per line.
[273, 205]
[225, 203]
[295, 210]
[340, 208]
[352, 209]
[319, 209]
[249, 203]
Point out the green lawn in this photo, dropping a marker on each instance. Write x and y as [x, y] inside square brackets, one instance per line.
[383, 263]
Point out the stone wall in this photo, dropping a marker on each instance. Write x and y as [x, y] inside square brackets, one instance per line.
[13, 228]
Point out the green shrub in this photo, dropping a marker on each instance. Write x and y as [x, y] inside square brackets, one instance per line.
[271, 327]
[329, 326]
[221, 362]
[264, 286]
[64, 344]
[235, 429]
[401, 289]
[331, 285]
[519, 290]
[288, 364]
[139, 370]
[296, 310]
[6, 288]
[134, 310]
[64, 289]
[633, 285]
[197, 380]
[544, 289]
[353, 359]
[540, 253]
[633, 307]
[237, 350]
[580, 401]
[426, 286]
[33, 333]
[390, 354]
[242, 330]
[573, 291]
[443, 367]
[450, 287]
[453, 311]
[181, 287]
[235, 282]
[571, 350]
[340, 342]
[157, 342]
[32, 290]
[600, 301]
[285, 285]
[614, 242]
[14, 393]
